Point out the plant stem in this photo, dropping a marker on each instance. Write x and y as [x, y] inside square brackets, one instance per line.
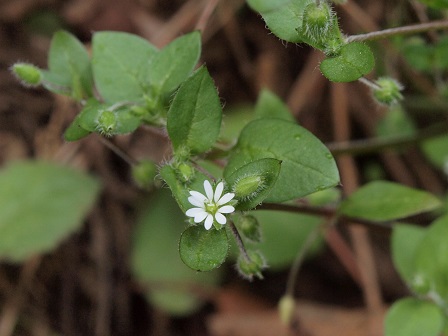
[118, 151]
[239, 241]
[369, 83]
[411, 29]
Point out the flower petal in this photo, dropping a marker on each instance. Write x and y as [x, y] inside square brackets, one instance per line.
[208, 222]
[197, 202]
[208, 189]
[226, 198]
[220, 218]
[218, 191]
[193, 212]
[197, 195]
[226, 209]
[200, 216]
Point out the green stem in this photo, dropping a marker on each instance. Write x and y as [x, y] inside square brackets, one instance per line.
[239, 241]
[411, 29]
[118, 151]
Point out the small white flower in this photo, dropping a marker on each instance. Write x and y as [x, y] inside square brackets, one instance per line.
[211, 206]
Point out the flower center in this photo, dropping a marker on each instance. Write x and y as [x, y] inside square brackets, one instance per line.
[211, 207]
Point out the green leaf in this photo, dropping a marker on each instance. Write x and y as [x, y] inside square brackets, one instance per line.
[440, 4]
[263, 6]
[413, 317]
[69, 67]
[194, 117]
[307, 165]
[354, 61]
[75, 131]
[283, 236]
[252, 182]
[436, 150]
[431, 258]
[121, 66]
[405, 241]
[41, 204]
[271, 106]
[385, 201]
[203, 250]
[174, 63]
[155, 258]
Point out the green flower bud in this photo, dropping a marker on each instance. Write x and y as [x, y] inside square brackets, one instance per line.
[286, 307]
[107, 123]
[388, 91]
[185, 172]
[144, 173]
[318, 21]
[29, 74]
[249, 228]
[248, 187]
[253, 267]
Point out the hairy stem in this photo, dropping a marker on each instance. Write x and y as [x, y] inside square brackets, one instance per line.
[411, 29]
[118, 151]
[239, 241]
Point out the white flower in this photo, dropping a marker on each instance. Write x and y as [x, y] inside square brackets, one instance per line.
[210, 206]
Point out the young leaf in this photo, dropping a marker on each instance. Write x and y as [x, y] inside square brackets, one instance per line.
[354, 61]
[41, 204]
[413, 317]
[155, 258]
[174, 63]
[69, 67]
[270, 106]
[203, 250]
[431, 258]
[75, 132]
[121, 66]
[252, 182]
[385, 201]
[194, 117]
[405, 241]
[307, 165]
[436, 150]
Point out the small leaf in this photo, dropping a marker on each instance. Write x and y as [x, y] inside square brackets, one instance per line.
[41, 204]
[385, 201]
[270, 106]
[174, 63]
[203, 250]
[194, 117]
[263, 6]
[405, 241]
[155, 258]
[431, 258]
[75, 132]
[121, 66]
[69, 67]
[256, 179]
[354, 61]
[307, 165]
[413, 317]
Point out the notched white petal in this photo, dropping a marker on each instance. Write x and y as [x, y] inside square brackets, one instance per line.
[208, 189]
[220, 218]
[218, 191]
[208, 222]
[193, 212]
[200, 216]
[226, 198]
[226, 209]
[197, 202]
[197, 195]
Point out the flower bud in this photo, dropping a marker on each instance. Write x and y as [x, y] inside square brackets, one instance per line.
[286, 307]
[27, 73]
[144, 173]
[249, 228]
[107, 122]
[185, 172]
[388, 91]
[318, 21]
[248, 187]
[252, 267]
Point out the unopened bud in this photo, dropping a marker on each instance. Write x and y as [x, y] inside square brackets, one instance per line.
[248, 187]
[144, 173]
[249, 228]
[107, 122]
[388, 91]
[251, 267]
[29, 74]
[286, 307]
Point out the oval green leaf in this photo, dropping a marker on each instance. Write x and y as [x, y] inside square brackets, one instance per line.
[194, 117]
[264, 171]
[270, 105]
[307, 165]
[203, 250]
[41, 204]
[413, 317]
[354, 61]
[385, 201]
